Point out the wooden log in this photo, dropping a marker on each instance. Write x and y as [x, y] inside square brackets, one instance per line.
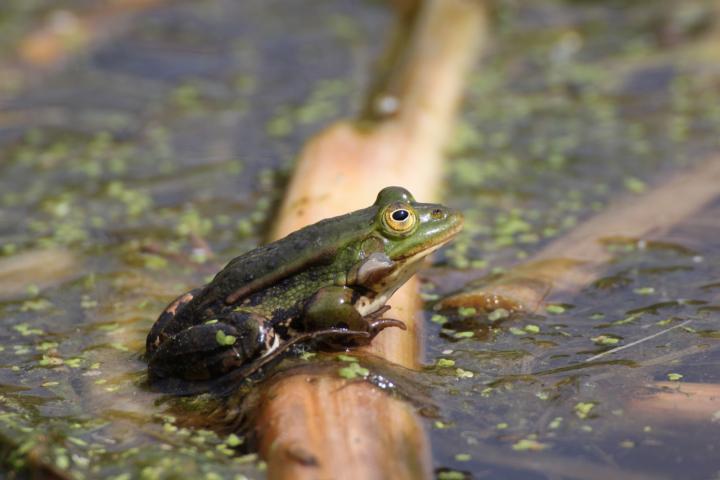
[321, 426]
[576, 259]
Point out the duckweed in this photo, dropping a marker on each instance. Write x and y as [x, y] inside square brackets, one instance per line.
[353, 371]
[450, 475]
[605, 340]
[223, 339]
[498, 314]
[445, 362]
[644, 290]
[583, 409]
[529, 444]
[555, 309]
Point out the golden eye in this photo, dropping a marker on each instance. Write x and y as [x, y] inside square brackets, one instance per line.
[400, 218]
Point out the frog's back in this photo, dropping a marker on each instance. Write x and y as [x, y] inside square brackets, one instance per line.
[315, 244]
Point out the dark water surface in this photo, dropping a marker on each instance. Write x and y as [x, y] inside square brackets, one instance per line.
[184, 124]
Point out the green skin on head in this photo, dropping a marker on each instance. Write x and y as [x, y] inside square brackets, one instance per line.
[327, 282]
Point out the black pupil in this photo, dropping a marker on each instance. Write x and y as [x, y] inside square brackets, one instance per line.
[400, 215]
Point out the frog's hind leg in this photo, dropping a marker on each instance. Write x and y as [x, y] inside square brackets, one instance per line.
[228, 383]
[206, 351]
[166, 324]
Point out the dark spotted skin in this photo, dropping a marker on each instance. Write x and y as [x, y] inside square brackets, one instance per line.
[178, 346]
[191, 351]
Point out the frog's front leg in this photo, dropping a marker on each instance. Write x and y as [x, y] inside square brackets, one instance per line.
[211, 349]
[333, 309]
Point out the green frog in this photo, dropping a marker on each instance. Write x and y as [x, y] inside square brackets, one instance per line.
[326, 283]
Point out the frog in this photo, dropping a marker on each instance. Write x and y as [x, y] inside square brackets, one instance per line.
[326, 284]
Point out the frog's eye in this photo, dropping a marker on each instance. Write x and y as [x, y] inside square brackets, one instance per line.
[399, 218]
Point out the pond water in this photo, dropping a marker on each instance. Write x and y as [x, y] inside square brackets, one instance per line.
[177, 133]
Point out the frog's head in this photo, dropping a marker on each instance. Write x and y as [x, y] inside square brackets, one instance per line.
[404, 232]
[412, 230]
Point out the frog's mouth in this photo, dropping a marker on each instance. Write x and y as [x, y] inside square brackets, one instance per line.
[422, 250]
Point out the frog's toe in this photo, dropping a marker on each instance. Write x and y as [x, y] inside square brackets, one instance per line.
[375, 326]
[378, 313]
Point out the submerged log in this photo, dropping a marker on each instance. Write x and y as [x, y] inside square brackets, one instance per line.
[577, 258]
[679, 402]
[35, 270]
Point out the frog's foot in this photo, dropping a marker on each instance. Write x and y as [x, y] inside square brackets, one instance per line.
[377, 313]
[376, 323]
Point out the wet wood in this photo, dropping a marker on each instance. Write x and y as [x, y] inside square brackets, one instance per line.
[312, 426]
[321, 426]
[576, 259]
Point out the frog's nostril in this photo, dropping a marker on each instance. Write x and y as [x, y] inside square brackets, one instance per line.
[437, 214]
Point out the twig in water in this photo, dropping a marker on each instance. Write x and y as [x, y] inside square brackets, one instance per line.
[636, 342]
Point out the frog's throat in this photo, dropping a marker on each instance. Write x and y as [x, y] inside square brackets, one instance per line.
[385, 288]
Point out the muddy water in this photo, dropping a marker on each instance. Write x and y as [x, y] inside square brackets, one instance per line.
[133, 172]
